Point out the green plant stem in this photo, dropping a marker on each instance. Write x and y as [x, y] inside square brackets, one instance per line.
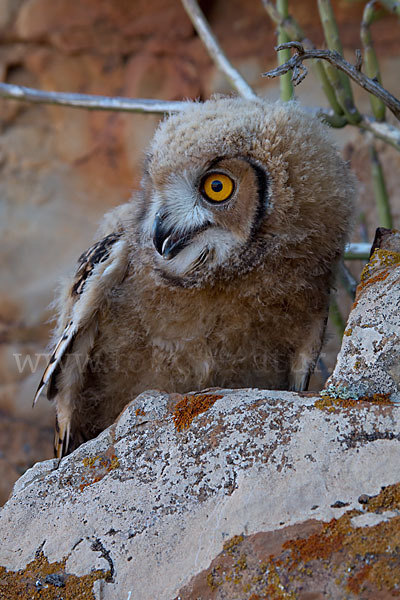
[290, 25]
[295, 32]
[380, 191]
[336, 317]
[370, 58]
[286, 85]
[347, 280]
[339, 81]
[392, 5]
[327, 87]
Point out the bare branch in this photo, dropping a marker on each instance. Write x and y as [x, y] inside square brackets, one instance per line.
[340, 63]
[215, 51]
[382, 130]
[138, 105]
[357, 251]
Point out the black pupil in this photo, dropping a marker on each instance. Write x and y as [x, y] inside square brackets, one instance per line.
[216, 185]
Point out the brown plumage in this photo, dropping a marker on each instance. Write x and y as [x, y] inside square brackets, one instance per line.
[217, 273]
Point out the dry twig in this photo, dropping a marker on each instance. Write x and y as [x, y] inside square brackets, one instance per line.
[299, 72]
[215, 51]
[140, 105]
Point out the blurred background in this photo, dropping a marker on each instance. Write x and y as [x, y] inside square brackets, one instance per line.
[62, 168]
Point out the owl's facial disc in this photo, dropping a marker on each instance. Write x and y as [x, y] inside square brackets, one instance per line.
[203, 218]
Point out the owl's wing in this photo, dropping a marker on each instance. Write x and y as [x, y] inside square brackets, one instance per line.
[100, 268]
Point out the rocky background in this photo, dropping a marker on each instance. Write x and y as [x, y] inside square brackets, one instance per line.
[62, 168]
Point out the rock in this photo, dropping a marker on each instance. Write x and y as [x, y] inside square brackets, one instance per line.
[220, 494]
[368, 362]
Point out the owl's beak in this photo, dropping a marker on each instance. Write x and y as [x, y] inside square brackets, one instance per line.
[167, 241]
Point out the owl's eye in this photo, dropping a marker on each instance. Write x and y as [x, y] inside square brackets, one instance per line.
[217, 187]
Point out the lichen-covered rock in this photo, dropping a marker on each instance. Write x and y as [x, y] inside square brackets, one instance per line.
[190, 496]
[368, 362]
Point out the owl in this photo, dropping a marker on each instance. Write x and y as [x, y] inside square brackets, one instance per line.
[218, 271]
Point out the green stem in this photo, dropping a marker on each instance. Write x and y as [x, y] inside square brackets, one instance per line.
[292, 28]
[336, 318]
[295, 32]
[347, 280]
[392, 5]
[327, 87]
[339, 80]
[380, 191]
[333, 119]
[370, 58]
[286, 85]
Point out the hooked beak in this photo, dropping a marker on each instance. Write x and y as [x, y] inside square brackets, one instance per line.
[167, 241]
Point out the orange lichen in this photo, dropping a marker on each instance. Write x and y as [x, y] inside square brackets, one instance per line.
[139, 412]
[325, 402]
[350, 560]
[380, 258]
[316, 546]
[355, 581]
[190, 406]
[230, 545]
[41, 580]
[389, 498]
[275, 590]
[331, 404]
[98, 466]
[379, 277]
[214, 579]
[340, 538]
[377, 399]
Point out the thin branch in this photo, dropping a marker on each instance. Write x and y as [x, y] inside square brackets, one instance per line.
[357, 251]
[334, 58]
[286, 85]
[380, 190]
[215, 51]
[291, 26]
[382, 130]
[336, 317]
[139, 105]
[370, 15]
[347, 280]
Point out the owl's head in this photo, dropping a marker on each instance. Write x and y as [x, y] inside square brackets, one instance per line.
[231, 182]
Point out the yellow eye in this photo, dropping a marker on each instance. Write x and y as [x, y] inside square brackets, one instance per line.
[217, 187]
